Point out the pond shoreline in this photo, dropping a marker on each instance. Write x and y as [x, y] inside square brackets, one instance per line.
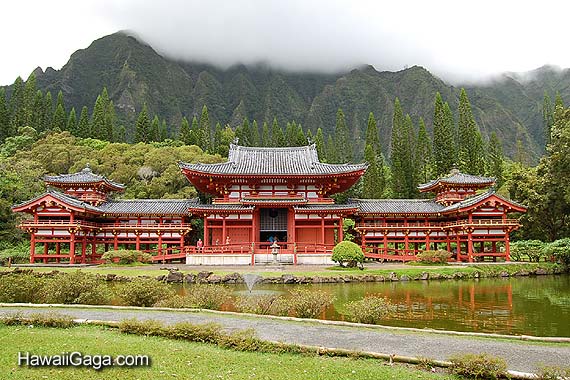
[172, 274]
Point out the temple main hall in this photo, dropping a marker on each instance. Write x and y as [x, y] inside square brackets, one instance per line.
[262, 205]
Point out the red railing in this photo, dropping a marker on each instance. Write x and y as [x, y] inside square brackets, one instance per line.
[441, 225]
[104, 226]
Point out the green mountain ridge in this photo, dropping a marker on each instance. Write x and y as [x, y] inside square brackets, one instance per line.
[134, 74]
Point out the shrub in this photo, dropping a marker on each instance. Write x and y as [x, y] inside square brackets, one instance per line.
[434, 257]
[308, 303]
[76, 287]
[19, 254]
[143, 292]
[20, 288]
[206, 333]
[531, 249]
[553, 373]
[370, 309]
[49, 319]
[478, 366]
[347, 254]
[262, 304]
[126, 257]
[560, 250]
[150, 327]
[207, 296]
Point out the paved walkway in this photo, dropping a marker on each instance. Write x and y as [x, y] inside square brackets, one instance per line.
[520, 356]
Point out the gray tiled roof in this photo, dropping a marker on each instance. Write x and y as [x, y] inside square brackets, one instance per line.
[271, 161]
[63, 198]
[221, 207]
[458, 178]
[148, 206]
[399, 206]
[326, 207]
[84, 176]
[470, 201]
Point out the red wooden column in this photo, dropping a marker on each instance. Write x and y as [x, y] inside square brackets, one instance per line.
[224, 231]
[115, 240]
[470, 243]
[137, 240]
[385, 242]
[323, 229]
[427, 233]
[406, 242]
[458, 240]
[57, 251]
[72, 247]
[340, 230]
[206, 243]
[84, 249]
[33, 247]
[507, 246]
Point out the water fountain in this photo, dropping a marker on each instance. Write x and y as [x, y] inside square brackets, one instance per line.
[250, 280]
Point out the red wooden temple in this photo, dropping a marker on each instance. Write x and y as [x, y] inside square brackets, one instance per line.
[263, 196]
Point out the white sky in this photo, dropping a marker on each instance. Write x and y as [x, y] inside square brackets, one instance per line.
[457, 40]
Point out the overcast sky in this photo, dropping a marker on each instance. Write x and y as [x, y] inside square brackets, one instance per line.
[457, 40]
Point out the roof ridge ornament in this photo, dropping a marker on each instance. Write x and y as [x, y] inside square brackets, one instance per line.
[87, 169]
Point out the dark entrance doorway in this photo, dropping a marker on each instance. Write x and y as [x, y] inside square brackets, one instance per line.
[273, 224]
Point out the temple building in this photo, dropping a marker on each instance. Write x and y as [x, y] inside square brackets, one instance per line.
[266, 201]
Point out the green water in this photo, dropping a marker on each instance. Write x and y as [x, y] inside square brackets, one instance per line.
[528, 305]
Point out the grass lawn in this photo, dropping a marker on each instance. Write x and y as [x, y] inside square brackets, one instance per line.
[178, 359]
[409, 270]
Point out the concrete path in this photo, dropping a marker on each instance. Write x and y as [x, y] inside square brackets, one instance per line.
[520, 356]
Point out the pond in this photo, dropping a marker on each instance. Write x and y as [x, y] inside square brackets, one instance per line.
[524, 305]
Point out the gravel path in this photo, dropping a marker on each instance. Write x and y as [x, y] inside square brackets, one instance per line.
[520, 356]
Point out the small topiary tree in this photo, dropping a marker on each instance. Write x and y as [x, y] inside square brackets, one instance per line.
[559, 250]
[531, 249]
[124, 256]
[347, 254]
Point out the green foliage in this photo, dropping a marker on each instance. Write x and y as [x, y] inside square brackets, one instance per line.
[560, 250]
[342, 139]
[347, 254]
[49, 319]
[531, 250]
[19, 254]
[434, 257]
[495, 159]
[309, 303]
[76, 288]
[423, 154]
[371, 309]
[478, 366]
[471, 154]
[126, 257]
[553, 373]
[404, 175]
[202, 296]
[15, 287]
[443, 138]
[373, 181]
[142, 130]
[273, 304]
[143, 292]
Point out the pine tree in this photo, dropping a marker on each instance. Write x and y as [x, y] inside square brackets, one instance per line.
[320, 144]
[120, 134]
[194, 132]
[47, 112]
[343, 140]
[372, 137]
[5, 130]
[17, 106]
[470, 148]
[29, 100]
[310, 139]
[332, 153]
[110, 117]
[142, 131]
[495, 159]
[423, 153]
[277, 135]
[155, 129]
[547, 117]
[83, 127]
[218, 135]
[205, 141]
[37, 113]
[244, 133]
[98, 119]
[290, 135]
[443, 139]
[558, 109]
[255, 134]
[373, 180]
[265, 136]
[184, 134]
[164, 131]
[521, 154]
[402, 155]
[72, 122]
[300, 138]
[59, 119]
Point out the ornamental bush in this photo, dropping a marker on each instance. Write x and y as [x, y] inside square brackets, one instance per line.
[205, 296]
[560, 250]
[434, 257]
[371, 309]
[124, 256]
[478, 366]
[143, 292]
[309, 303]
[19, 254]
[533, 250]
[20, 287]
[347, 254]
[76, 287]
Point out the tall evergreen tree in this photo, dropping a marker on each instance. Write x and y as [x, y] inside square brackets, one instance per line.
[29, 100]
[59, 121]
[194, 132]
[521, 154]
[164, 131]
[72, 122]
[558, 108]
[244, 133]
[320, 144]
[373, 180]
[300, 138]
[402, 154]
[443, 139]
[547, 117]
[37, 111]
[98, 130]
[277, 135]
[47, 112]
[265, 136]
[470, 148]
[17, 106]
[142, 130]
[120, 134]
[343, 140]
[332, 153]
[83, 126]
[218, 135]
[155, 129]
[205, 131]
[290, 134]
[423, 153]
[372, 137]
[184, 134]
[110, 117]
[495, 159]
[255, 140]
[5, 129]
